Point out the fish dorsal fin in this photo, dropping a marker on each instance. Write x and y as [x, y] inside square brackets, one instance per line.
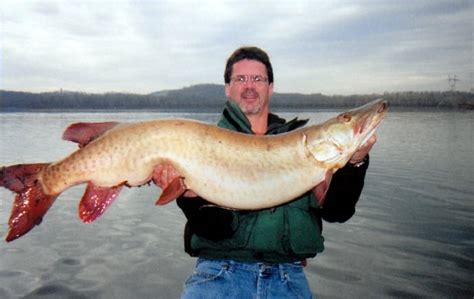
[96, 200]
[83, 133]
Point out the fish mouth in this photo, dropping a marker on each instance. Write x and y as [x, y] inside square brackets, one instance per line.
[369, 134]
[363, 115]
[371, 120]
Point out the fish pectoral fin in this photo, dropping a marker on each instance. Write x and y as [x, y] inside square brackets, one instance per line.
[174, 190]
[84, 133]
[96, 200]
[321, 190]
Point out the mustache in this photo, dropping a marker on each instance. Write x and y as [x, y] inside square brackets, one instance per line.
[249, 92]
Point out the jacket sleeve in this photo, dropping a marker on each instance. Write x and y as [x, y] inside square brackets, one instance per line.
[343, 193]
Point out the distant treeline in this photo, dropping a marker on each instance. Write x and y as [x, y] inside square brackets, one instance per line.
[211, 97]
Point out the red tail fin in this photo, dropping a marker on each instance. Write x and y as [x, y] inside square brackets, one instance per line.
[31, 203]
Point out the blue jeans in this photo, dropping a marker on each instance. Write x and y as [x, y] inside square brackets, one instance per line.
[230, 279]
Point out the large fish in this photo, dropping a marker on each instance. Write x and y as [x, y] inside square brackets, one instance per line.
[229, 169]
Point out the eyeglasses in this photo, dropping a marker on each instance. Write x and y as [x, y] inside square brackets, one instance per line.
[256, 79]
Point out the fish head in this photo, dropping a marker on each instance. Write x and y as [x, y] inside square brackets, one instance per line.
[334, 142]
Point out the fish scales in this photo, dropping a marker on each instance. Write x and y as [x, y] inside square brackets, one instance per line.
[215, 163]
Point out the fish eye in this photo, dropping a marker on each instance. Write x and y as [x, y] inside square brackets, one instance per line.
[344, 117]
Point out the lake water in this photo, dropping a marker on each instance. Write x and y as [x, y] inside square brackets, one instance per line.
[412, 235]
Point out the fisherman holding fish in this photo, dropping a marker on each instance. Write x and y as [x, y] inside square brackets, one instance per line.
[263, 190]
[261, 254]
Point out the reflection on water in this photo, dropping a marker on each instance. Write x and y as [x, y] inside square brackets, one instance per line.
[412, 235]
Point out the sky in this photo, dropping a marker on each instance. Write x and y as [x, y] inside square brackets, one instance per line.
[328, 47]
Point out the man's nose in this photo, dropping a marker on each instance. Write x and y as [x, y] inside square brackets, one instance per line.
[249, 82]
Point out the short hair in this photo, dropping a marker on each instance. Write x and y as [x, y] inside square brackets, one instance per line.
[252, 53]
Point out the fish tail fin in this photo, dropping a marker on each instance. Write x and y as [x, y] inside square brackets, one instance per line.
[31, 202]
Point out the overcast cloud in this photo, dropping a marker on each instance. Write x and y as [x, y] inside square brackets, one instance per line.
[329, 47]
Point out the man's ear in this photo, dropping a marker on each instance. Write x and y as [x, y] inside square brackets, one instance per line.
[270, 90]
[226, 89]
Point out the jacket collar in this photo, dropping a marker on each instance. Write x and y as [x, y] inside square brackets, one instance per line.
[234, 116]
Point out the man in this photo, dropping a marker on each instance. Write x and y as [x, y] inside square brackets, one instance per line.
[261, 254]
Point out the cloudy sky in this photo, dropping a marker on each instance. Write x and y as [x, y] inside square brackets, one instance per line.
[329, 47]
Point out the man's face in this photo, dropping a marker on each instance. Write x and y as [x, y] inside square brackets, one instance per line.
[252, 97]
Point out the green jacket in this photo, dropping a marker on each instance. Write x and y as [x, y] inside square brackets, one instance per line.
[287, 233]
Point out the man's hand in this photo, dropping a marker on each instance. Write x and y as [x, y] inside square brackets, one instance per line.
[363, 151]
[164, 174]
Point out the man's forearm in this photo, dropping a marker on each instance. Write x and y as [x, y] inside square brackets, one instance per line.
[344, 192]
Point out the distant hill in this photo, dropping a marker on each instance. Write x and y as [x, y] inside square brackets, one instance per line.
[196, 97]
[211, 98]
